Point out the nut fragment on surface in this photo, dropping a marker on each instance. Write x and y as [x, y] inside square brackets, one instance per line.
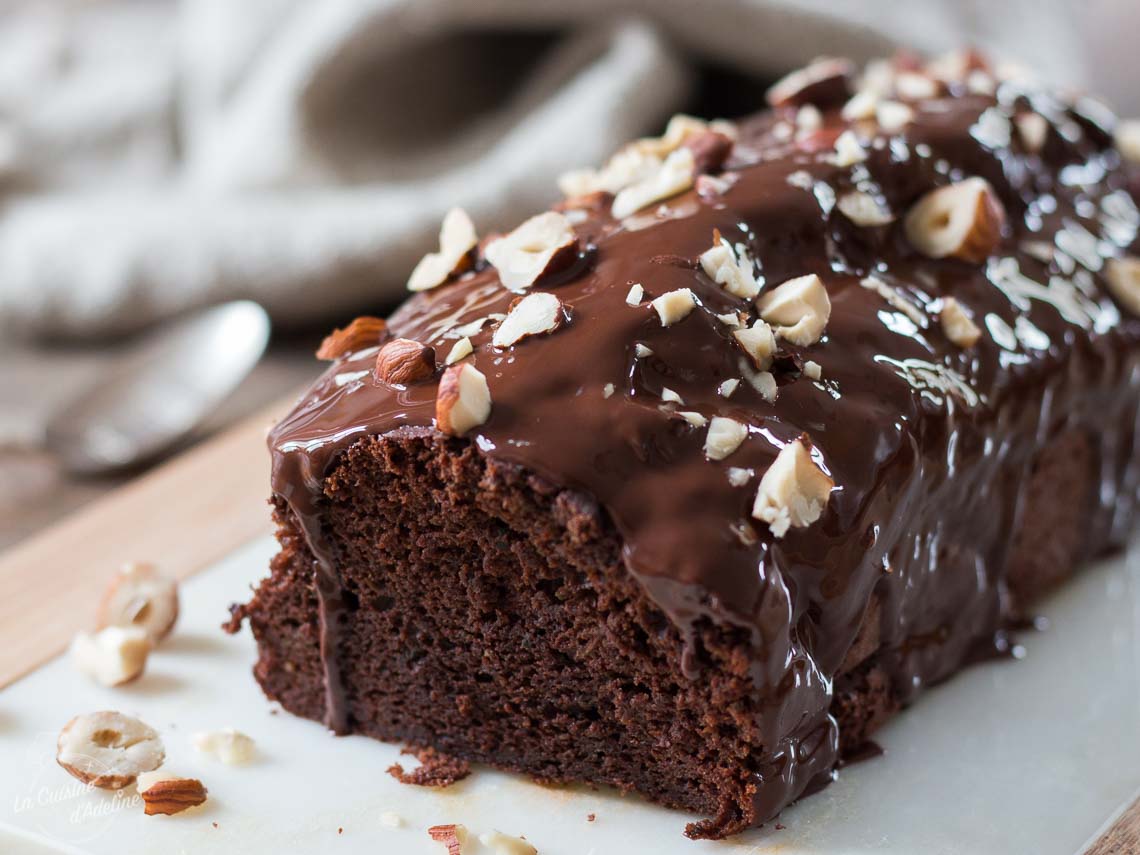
[812, 370]
[824, 79]
[1123, 278]
[167, 794]
[724, 436]
[798, 309]
[759, 342]
[108, 749]
[794, 490]
[860, 106]
[112, 656]
[141, 596]
[671, 397]
[230, 746]
[453, 836]
[673, 176]
[732, 270]
[957, 325]
[460, 350]
[505, 844]
[534, 314]
[893, 116]
[1032, 129]
[1127, 139]
[636, 295]
[962, 220]
[463, 400]
[362, 333]
[641, 158]
[848, 150]
[457, 239]
[543, 245]
[673, 306]
[402, 361]
[863, 209]
[727, 387]
[912, 86]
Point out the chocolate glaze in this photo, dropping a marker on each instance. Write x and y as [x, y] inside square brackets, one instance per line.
[928, 442]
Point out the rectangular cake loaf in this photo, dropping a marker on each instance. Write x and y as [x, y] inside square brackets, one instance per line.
[687, 485]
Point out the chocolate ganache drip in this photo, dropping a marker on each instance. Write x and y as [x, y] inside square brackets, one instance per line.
[963, 331]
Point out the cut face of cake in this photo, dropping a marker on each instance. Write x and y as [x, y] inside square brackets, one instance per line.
[687, 485]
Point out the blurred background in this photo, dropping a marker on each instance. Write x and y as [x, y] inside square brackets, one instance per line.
[161, 156]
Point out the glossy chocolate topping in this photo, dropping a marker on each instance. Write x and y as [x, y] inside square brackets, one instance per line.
[928, 442]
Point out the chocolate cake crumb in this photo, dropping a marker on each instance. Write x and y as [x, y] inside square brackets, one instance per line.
[435, 769]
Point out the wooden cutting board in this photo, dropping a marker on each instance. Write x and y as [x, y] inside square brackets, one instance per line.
[185, 515]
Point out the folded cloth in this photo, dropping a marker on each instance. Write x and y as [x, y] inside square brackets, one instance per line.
[157, 156]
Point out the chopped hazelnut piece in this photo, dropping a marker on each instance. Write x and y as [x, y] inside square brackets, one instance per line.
[534, 314]
[797, 309]
[675, 175]
[402, 362]
[723, 266]
[726, 388]
[794, 490]
[504, 844]
[1032, 129]
[460, 350]
[636, 295]
[758, 342]
[980, 83]
[1123, 278]
[108, 749]
[808, 120]
[893, 116]
[544, 244]
[608, 390]
[113, 656]
[822, 81]
[626, 167]
[141, 596]
[674, 306]
[463, 400]
[912, 86]
[362, 333]
[863, 209]
[680, 130]
[762, 381]
[731, 319]
[861, 106]
[812, 370]
[457, 238]
[671, 397]
[848, 150]
[693, 418]
[641, 351]
[1127, 139]
[167, 794]
[724, 437]
[962, 220]
[452, 836]
[230, 746]
[738, 476]
[957, 325]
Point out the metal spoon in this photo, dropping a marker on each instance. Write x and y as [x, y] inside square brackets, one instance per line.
[161, 390]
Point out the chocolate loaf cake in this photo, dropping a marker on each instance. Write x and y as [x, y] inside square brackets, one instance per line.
[687, 485]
